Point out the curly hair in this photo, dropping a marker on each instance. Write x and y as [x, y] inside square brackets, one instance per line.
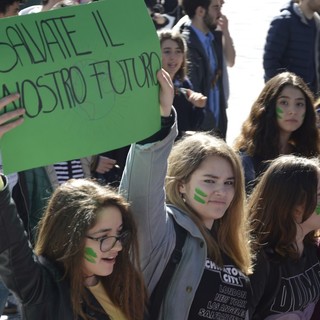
[260, 132]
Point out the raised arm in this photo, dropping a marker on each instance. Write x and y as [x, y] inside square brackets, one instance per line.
[143, 185]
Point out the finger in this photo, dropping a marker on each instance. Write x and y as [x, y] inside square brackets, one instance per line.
[8, 99]
[11, 115]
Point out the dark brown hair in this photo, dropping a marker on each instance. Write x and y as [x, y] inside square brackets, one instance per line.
[260, 132]
[290, 181]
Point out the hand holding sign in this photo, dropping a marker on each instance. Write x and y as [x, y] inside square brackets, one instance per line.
[6, 123]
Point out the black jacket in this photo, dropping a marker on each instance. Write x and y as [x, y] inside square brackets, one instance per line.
[201, 78]
[35, 281]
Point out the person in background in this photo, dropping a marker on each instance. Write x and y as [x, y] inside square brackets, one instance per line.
[292, 43]
[204, 195]
[284, 213]
[108, 166]
[206, 57]
[10, 8]
[229, 52]
[282, 121]
[187, 103]
[164, 13]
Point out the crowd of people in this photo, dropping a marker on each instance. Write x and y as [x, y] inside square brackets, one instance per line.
[181, 225]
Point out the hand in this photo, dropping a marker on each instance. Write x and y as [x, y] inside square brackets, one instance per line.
[166, 94]
[197, 98]
[159, 18]
[4, 118]
[223, 24]
[105, 164]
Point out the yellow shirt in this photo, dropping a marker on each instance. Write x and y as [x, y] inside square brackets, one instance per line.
[1, 183]
[100, 294]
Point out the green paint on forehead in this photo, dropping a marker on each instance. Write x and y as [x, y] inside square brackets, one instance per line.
[90, 254]
[200, 192]
[318, 209]
[279, 112]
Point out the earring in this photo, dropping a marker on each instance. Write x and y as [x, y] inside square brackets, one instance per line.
[182, 197]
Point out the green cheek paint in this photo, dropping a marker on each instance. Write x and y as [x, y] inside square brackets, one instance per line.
[90, 255]
[199, 195]
[279, 112]
[318, 209]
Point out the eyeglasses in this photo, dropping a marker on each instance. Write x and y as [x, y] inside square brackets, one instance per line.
[107, 243]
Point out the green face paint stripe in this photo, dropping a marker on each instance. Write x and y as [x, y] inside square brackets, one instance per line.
[197, 198]
[279, 112]
[90, 255]
[200, 192]
[318, 209]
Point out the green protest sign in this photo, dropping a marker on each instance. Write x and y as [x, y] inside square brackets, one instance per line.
[86, 75]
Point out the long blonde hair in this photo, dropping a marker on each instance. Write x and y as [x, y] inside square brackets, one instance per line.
[231, 232]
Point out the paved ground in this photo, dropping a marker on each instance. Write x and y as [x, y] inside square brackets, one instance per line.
[248, 23]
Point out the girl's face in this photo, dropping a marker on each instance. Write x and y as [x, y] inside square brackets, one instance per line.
[109, 224]
[210, 189]
[290, 109]
[172, 57]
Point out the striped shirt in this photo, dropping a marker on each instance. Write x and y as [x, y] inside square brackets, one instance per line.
[68, 169]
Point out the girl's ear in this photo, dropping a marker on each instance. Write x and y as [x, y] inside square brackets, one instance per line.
[182, 188]
[298, 214]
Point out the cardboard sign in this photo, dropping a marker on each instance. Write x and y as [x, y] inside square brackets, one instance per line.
[86, 75]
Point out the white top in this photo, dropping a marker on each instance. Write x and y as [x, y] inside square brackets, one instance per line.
[31, 9]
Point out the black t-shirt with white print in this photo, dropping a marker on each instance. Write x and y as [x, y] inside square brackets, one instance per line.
[222, 293]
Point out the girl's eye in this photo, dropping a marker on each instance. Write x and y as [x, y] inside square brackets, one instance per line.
[301, 105]
[209, 181]
[282, 102]
[229, 183]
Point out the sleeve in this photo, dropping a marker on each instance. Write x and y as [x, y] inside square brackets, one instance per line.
[196, 67]
[197, 113]
[276, 44]
[19, 269]
[142, 184]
